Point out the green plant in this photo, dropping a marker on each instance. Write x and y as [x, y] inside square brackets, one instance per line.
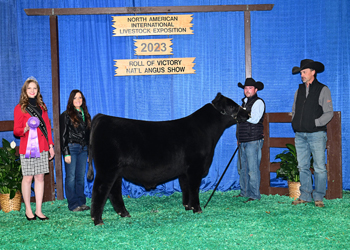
[10, 169]
[289, 164]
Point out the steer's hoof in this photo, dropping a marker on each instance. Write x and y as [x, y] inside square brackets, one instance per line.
[124, 214]
[187, 207]
[197, 210]
[98, 223]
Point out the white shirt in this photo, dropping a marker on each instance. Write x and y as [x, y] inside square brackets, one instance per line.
[257, 111]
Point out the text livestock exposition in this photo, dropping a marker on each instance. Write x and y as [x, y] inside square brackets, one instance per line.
[152, 25]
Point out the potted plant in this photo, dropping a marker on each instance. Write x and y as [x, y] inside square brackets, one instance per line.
[10, 177]
[289, 170]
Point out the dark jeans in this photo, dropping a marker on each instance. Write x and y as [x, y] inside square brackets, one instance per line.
[248, 166]
[75, 172]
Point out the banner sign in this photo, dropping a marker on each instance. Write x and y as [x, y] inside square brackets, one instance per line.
[153, 47]
[154, 66]
[152, 25]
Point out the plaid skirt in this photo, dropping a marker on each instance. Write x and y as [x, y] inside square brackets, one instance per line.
[35, 166]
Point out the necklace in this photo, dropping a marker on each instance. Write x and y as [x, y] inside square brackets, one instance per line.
[34, 106]
[32, 102]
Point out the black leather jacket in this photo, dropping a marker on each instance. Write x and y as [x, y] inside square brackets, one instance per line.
[71, 134]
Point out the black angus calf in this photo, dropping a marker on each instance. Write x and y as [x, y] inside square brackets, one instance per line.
[150, 153]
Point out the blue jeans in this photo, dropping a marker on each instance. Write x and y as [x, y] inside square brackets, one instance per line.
[75, 173]
[248, 166]
[305, 144]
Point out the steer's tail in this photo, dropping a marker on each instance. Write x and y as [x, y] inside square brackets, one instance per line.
[94, 122]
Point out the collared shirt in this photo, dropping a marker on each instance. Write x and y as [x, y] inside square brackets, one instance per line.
[257, 111]
[325, 101]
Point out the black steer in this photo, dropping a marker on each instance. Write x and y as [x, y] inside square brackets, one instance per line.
[150, 153]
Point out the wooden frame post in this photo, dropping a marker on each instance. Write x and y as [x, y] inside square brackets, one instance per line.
[248, 45]
[56, 103]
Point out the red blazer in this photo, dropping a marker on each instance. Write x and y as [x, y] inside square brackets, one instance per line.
[18, 129]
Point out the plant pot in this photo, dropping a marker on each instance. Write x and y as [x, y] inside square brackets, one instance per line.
[8, 204]
[294, 189]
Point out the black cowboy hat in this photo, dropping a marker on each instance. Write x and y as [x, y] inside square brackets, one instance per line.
[251, 82]
[308, 64]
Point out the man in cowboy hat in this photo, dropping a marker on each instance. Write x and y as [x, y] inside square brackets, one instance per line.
[250, 138]
[312, 110]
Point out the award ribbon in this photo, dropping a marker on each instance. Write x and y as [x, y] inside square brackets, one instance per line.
[33, 143]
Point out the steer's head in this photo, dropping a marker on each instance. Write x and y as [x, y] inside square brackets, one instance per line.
[228, 107]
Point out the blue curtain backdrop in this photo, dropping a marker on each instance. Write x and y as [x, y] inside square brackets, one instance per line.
[281, 38]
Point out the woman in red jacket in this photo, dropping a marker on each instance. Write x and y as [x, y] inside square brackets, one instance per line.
[32, 125]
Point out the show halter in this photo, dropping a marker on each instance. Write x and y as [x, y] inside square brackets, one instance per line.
[33, 150]
[225, 113]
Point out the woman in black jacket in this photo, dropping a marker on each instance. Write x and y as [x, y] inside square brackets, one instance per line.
[75, 124]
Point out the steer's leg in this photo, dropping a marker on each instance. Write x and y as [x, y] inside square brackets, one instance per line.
[116, 198]
[100, 191]
[103, 184]
[184, 188]
[194, 182]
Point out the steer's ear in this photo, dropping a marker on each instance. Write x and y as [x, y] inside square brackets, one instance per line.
[218, 96]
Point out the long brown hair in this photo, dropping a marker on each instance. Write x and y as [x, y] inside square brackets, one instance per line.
[24, 99]
[71, 109]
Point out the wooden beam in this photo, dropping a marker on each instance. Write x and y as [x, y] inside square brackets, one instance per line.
[265, 158]
[49, 181]
[147, 10]
[278, 190]
[247, 42]
[334, 158]
[277, 142]
[56, 104]
[6, 126]
[280, 117]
